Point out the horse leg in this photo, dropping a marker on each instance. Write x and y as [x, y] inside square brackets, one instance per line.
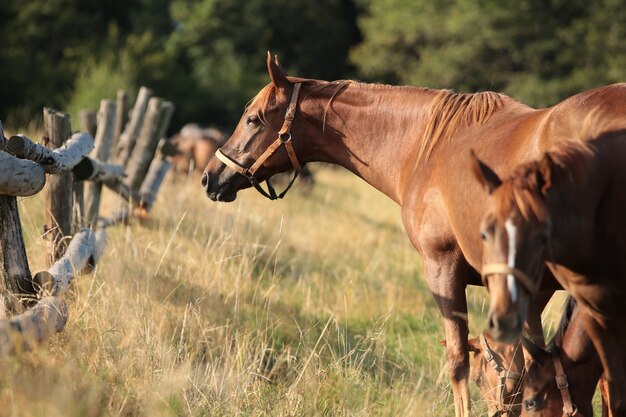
[444, 277]
[605, 337]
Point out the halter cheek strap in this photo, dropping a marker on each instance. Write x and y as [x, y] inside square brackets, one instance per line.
[569, 408]
[284, 138]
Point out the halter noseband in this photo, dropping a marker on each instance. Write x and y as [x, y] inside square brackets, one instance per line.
[569, 408]
[284, 138]
[503, 375]
[501, 268]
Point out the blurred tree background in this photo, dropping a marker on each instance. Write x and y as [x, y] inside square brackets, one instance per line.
[208, 56]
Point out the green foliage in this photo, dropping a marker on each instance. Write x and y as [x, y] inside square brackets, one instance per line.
[208, 56]
[537, 51]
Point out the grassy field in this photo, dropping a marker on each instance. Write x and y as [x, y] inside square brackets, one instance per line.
[314, 305]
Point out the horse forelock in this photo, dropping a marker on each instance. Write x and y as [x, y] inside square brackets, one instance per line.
[450, 110]
[519, 194]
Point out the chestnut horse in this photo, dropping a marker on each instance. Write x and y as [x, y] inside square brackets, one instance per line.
[195, 146]
[567, 208]
[411, 144]
[563, 377]
[498, 372]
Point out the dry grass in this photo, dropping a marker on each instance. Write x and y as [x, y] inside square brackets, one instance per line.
[309, 306]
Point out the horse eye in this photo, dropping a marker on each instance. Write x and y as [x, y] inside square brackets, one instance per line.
[530, 404]
[483, 235]
[252, 120]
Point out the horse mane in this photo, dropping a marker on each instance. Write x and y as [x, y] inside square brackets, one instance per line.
[450, 110]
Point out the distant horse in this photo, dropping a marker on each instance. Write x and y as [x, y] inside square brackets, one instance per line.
[562, 378]
[567, 208]
[195, 146]
[411, 144]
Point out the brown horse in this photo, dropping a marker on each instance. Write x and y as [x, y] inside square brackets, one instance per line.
[411, 144]
[564, 376]
[498, 371]
[566, 208]
[195, 146]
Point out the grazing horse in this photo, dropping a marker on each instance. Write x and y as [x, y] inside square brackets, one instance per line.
[566, 208]
[498, 371]
[411, 144]
[561, 379]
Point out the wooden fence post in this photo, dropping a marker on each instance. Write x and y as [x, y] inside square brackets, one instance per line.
[89, 124]
[102, 152]
[132, 131]
[146, 145]
[58, 218]
[156, 174]
[121, 116]
[14, 270]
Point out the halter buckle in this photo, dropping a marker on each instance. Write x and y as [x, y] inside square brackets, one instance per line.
[561, 381]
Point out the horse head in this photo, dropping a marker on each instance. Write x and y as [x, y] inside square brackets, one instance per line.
[514, 230]
[253, 153]
[497, 370]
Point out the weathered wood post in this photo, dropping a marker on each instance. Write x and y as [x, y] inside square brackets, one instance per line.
[121, 116]
[102, 152]
[158, 169]
[17, 177]
[132, 131]
[58, 218]
[155, 124]
[89, 124]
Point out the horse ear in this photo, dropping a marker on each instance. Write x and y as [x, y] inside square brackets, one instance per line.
[538, 354]
[277, 73]
[484, 174]
[474, 345]
[544, 177]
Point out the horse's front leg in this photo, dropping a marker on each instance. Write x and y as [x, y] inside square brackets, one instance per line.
[446, 276]
[606, 335]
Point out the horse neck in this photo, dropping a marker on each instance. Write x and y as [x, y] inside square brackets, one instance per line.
[373, 131]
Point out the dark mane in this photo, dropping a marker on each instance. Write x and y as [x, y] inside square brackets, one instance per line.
[450, 110]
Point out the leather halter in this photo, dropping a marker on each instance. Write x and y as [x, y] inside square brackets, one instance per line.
[569, 408]
[284, 138]
[503, 375]
[501, 268]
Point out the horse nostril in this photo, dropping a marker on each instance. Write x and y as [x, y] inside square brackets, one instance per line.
[205, 179]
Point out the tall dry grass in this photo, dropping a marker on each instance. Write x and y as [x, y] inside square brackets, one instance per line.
[310, 306]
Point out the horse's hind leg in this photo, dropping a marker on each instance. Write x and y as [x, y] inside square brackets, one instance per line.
[445, 279]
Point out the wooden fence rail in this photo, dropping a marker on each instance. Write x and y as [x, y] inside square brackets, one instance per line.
[23, 168]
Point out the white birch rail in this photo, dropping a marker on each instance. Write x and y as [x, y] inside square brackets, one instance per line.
[20, 177]
[89, 169]
[34, 326]
[75, 260]
[120, 216]
[53, 161]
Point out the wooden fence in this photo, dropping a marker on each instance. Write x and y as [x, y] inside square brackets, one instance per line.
[75, 167]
